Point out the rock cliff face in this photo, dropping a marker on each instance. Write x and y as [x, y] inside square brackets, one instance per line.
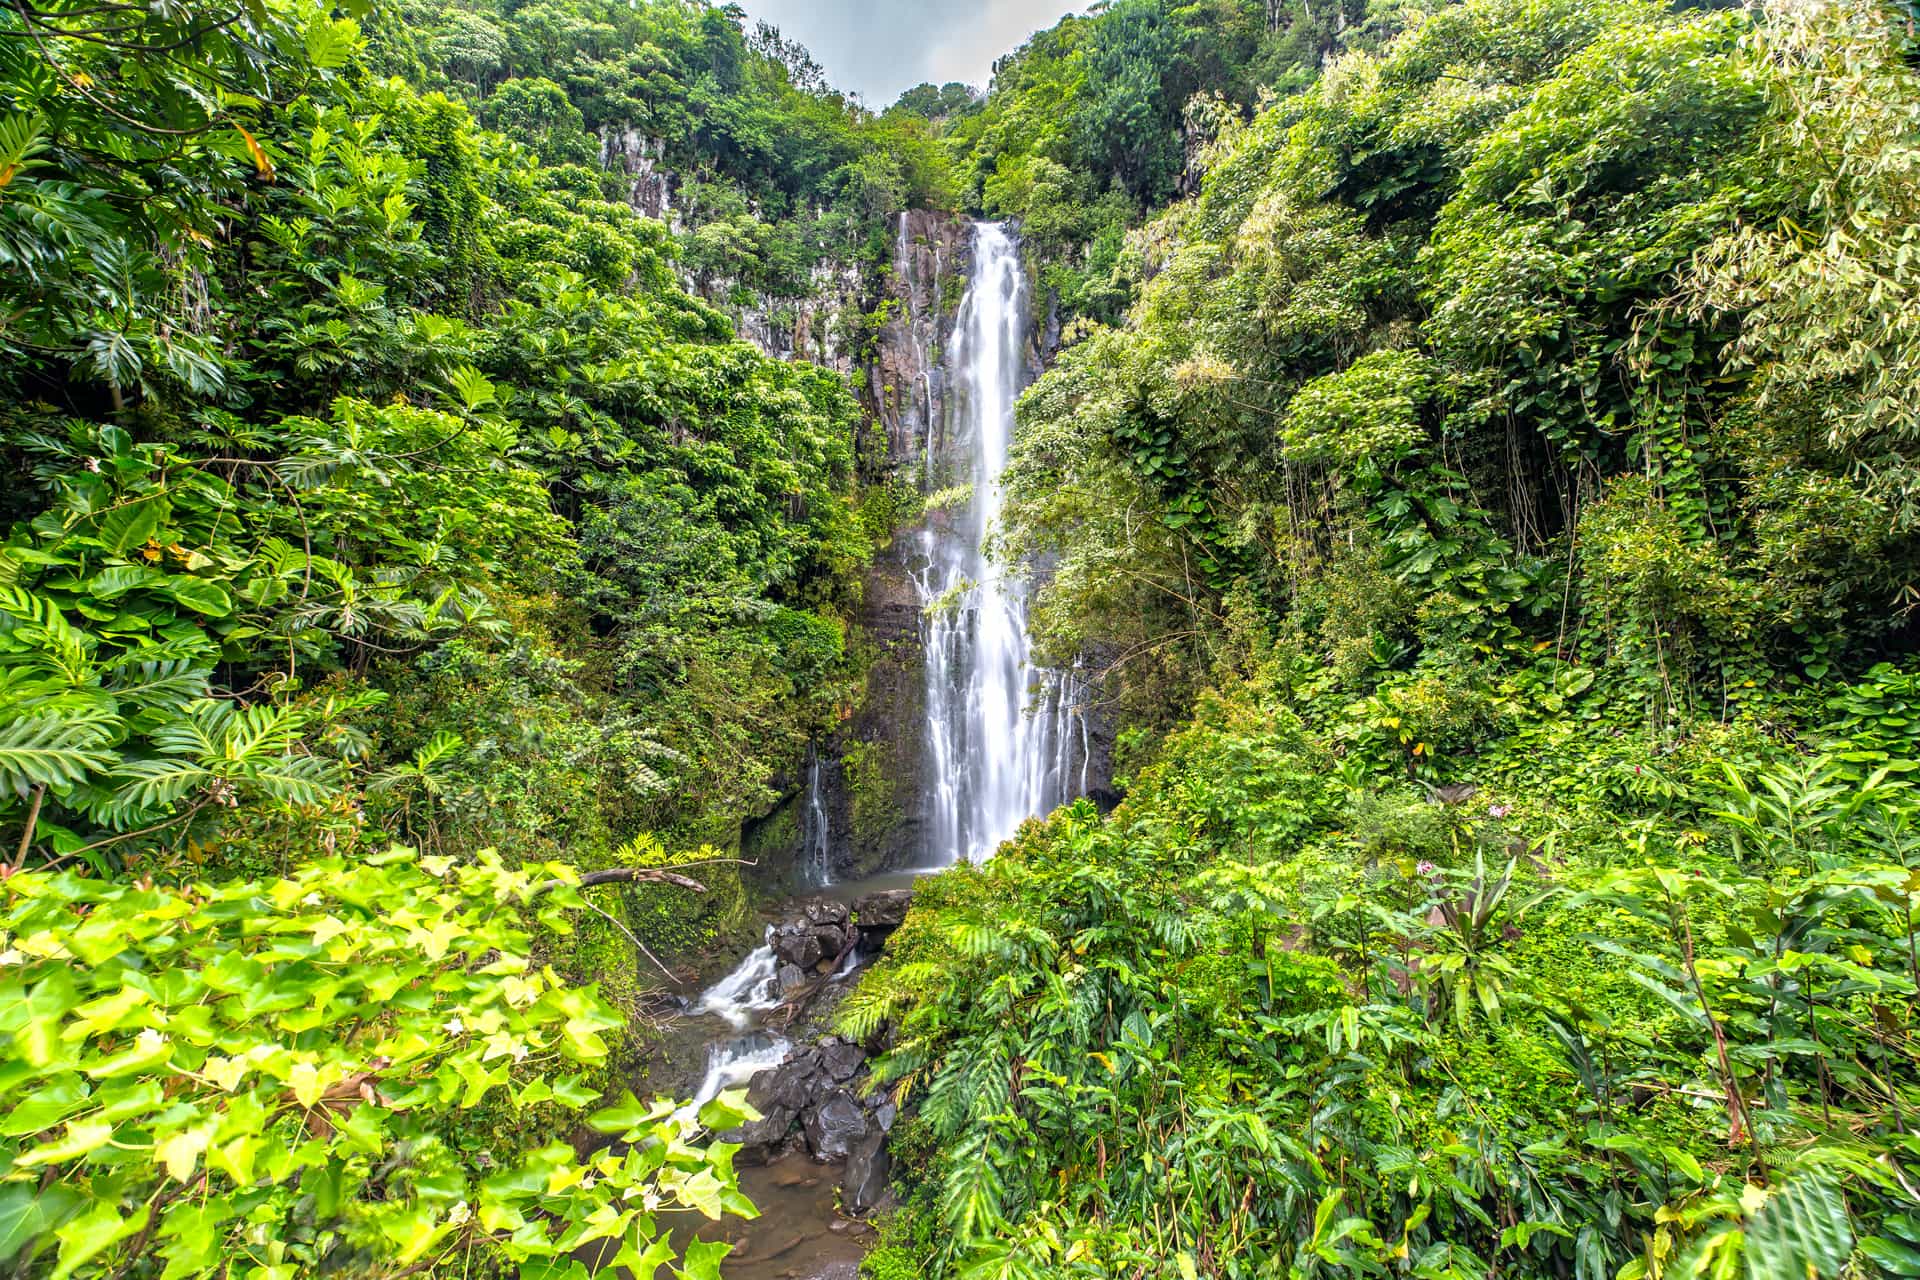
[874, 784]
[641, 159]
[888, 332]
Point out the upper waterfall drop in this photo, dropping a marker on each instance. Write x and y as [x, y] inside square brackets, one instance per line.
[1005, 739]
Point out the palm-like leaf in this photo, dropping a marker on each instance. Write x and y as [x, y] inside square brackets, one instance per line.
[53, 750]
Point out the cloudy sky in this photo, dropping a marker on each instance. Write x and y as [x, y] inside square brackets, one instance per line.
[879, 48]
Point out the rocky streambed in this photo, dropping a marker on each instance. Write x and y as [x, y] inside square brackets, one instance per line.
[816, 1163]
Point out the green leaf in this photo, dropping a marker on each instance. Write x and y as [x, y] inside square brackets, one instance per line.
[92, 1233]
[28, 1213]
[82, 1137]
[703, 1260]
[127, 528]
[625, 1116]
[120, 579]
[45, 1107]
[1802, 1230]
[53, 750]
[200, 595]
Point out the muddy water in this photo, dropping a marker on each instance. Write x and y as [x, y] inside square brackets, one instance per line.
[799, 1235]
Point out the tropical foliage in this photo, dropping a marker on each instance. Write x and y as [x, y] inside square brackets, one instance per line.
[1490, 510]
[372, 479]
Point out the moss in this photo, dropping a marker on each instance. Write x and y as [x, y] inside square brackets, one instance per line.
[872, 792]
[673, 921]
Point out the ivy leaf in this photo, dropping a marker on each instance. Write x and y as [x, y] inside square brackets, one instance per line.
[45, 1107]
[28, 1213]
[703, 1260]
[94, 1232]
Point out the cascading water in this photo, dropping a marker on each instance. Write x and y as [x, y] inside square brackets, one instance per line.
[1002, 734]
[748, 991]
[740, 998]
[816, 829]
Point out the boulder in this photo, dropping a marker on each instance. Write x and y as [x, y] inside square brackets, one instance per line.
[879, 914]
[797, 946]
[794, 1085]
[825, 911]
[836, 1127]
[869, 1170]
[841, 1060]
[759, 1140]
[792, 978]
[833, 939]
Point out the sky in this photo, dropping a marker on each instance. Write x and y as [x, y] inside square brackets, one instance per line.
[881, 48]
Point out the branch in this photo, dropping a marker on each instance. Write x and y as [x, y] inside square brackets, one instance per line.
[634, 938]
[622, 875]
[33, 820]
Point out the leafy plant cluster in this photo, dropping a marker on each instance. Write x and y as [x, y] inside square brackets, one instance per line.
[1272, 1018]
[371, 479]
[267, 1079]
[774, 172]
[437, 394]
[1490, 428]
[1446, 373]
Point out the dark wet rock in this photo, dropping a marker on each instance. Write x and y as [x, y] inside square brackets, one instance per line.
[886, 909]
[796, 946]
[841, 1060]
[885, 1114]
[869, 1172]
[836, 1127]
[795, 1084]
[760, 1140]
[825, 911]
[792, 978]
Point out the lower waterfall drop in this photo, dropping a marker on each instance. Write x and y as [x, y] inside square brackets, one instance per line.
[1002, 734]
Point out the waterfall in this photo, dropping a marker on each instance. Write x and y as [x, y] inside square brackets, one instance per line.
[816, 866]
[1001, 734]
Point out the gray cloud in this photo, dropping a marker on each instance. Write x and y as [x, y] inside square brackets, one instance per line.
[880, 48]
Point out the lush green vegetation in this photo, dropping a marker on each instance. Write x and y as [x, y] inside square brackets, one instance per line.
[1480, 461]
[1506, 448]
[373, 481]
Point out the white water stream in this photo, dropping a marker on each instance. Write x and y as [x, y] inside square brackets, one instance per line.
[1005, 739]
[739, 999]
[816, 854]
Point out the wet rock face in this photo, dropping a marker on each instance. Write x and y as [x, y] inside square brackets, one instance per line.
[642, 160]
[836, 1127]
[868, 1180]
[817, 1096]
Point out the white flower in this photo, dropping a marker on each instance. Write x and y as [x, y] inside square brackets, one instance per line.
[312, 900]
[459, 1214]
[454, 1027]
[151, 1038]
